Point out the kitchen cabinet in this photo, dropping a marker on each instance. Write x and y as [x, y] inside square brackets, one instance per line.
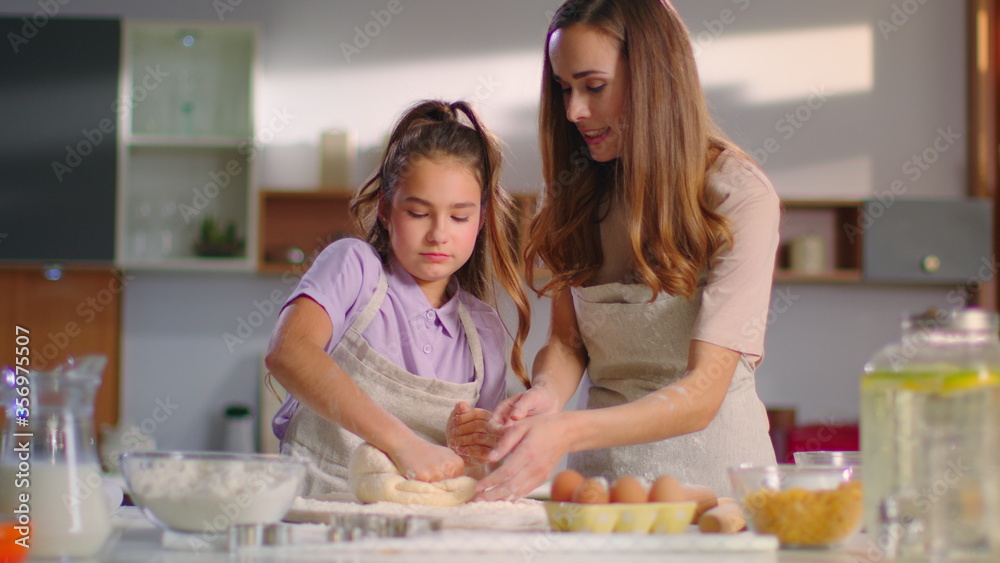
[929, 241]
[187, 145]
[892, 241]
[58, 144]
[77, 315]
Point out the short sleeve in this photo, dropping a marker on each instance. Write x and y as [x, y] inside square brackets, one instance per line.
[737, 293]
[343, 275]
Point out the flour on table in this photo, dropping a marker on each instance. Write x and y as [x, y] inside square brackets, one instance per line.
[523, 514]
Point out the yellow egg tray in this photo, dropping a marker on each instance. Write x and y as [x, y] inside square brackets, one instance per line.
[647, 518]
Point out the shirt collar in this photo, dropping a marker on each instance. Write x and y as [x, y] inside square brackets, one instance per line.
[407, 288]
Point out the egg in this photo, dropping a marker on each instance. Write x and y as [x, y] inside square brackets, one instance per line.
[666, 489]
[703, 496]
[591, 491]
[628, 490]
[563, 485]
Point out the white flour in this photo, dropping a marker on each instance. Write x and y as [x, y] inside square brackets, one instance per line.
[209, 496]
[524, 514]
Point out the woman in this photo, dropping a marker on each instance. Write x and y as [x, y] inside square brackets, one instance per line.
[661, 237]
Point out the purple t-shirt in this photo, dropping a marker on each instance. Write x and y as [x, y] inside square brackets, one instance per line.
[407, 330]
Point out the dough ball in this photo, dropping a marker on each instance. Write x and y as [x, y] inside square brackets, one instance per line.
[375, 478]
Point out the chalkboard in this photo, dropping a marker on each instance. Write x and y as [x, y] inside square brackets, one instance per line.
[58, 138]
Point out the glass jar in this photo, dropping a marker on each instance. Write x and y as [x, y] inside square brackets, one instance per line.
[52, 479]
[930, 439]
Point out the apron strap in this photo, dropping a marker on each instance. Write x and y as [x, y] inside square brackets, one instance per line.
[471, 334]
[475, 346]
[371, 309]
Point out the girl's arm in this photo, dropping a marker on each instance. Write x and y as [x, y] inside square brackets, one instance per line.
[537, 444]
[556, 371]
[297, 359]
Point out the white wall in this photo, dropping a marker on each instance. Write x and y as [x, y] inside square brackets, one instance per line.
[887, 93]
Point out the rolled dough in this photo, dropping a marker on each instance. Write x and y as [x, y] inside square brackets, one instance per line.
[374, 477]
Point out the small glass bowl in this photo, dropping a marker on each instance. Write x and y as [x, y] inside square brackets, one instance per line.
[813, 507]
[831, 458]
[207, 492]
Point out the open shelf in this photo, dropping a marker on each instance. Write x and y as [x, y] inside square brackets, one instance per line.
[293, 222]
[836, 225]
[186, 151]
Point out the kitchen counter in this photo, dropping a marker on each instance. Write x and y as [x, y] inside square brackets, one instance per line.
[139, 540]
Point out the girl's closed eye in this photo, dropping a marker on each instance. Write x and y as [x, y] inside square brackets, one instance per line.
[596, 89]
[416, 215]
[460, 219]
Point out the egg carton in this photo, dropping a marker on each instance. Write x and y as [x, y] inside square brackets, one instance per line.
[645, 518]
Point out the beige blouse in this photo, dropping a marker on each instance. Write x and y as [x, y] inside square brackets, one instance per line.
[735, 302]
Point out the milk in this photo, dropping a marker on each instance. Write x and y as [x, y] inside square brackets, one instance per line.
[69, 512]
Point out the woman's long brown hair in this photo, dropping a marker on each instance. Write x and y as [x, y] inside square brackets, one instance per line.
[668, 142]
[434, 130]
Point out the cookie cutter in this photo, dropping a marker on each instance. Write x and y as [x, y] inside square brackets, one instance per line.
[337, 528]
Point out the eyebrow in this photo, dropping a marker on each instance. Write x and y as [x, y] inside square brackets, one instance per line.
[581, 74]
[416, 199]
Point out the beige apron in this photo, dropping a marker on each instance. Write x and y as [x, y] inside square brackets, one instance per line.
[422, 403]
[636, 347]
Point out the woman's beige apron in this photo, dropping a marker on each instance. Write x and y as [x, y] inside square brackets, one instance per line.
[422, 403]
[636, 347]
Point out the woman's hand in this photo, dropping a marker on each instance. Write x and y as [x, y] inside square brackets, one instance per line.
[534, 402]
[468, 435]
[536, 445]
[424, 461]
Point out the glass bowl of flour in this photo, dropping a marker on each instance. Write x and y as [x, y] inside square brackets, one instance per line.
[206, 492]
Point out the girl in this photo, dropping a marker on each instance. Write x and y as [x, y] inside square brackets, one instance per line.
[386, 338]
[661, 237]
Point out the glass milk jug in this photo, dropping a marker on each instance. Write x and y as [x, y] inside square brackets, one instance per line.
[52, 481]
[930, 440]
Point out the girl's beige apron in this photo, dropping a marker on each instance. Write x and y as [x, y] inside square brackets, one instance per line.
[422, 403]
[636, 347]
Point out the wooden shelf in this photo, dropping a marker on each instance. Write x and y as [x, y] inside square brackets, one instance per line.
[834, 276]
[303, 220]
[837, 224]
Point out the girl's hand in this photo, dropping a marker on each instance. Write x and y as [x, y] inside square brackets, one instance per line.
[424, 461]
[468, 435]
[533, 402]
[536, 446]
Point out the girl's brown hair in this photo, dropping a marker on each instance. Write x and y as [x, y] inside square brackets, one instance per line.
[434, 130]
[668, 142]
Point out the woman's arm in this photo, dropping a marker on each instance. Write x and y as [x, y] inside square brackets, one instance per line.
[536, 444]
[298, 360]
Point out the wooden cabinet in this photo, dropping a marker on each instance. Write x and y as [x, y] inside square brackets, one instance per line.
[76, 315]
[188, 145]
